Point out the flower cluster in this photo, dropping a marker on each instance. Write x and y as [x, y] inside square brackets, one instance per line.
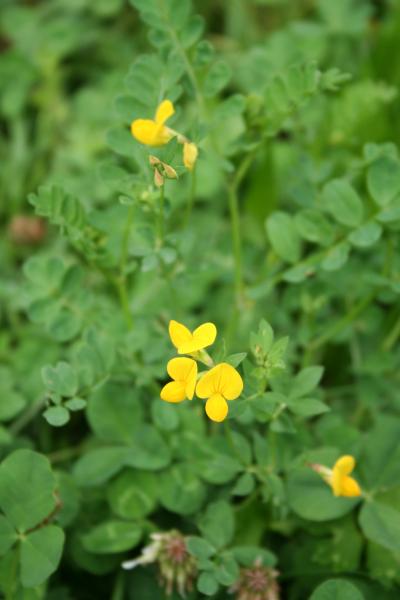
[257, 583]
[220, 383]
[338, 478]
[154, 132]
[177, 568]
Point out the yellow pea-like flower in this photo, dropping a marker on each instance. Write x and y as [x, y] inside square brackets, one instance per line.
[338, 478]
[218, 385]
[190, 154]
[154, 132]
[340, 481]
[187, 342]
[183, 372]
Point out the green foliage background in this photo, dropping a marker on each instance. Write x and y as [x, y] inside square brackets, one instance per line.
[286, 237]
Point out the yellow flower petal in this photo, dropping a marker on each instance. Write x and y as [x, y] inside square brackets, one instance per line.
[345, 464]
[164, 111]
[202, 337]
[174, 391]
[205, 334]
[190, 154]
[216, 408]
[222, 379]
[350, 488]
[179, 334]
[230, 382]
[206, 386]
[184, 370]
[145, 131]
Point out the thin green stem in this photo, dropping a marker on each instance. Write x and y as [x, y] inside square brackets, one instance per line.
[233, 200]
[11, 583]
[160, 216]
[236, 242]
[191, 197]
[392, 337]
[339, 325]
[125, 239]
[124, 301]
[122, 280]
[27, 417]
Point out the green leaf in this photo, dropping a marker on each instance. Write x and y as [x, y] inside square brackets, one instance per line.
[8, 535]
[112, 537]
[148, 450]
[75, 404]
[60, 208]
[220, 468]
[199, 547]
[207, 584]
[97, 466]
[312, 499]
[343, 202]
[60, 379]
[381, 524]
[165, 415]
[336, 257]
[181, 491]
[283, 236]
[366, 235]
[217, 78]
[313, 226]
[383, 180]
[244, 485]
[218, 523]
[21, 471]
[57, 416]
[227, 572]
[40, 555]
[308, 407]
[133, 494]
[114, 413]
[336, 589]
[306, 381]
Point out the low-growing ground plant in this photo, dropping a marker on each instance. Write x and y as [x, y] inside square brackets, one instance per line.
[199, 299]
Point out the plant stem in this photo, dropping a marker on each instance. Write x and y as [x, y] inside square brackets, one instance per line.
[233, 199]
[121, 281]
[342, 323]
[10, 592]
[124, 301]
[192, 194]
[392, 337]
[125, 239]
[236, 242]
[160, 220]
[27, 417]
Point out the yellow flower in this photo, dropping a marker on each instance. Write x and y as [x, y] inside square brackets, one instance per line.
[154, 132]
[339, 477]
[183, 371]
[340, 482]
[218, 385]
[190, 154]
[187, 342]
